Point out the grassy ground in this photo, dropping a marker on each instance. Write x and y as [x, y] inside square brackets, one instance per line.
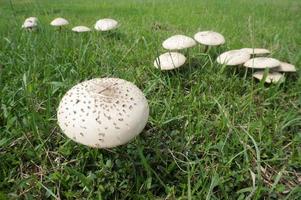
[213, 132]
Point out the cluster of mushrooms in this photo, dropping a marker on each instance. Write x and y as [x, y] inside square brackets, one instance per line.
[173, 59]
[254, 58]
[108, 112]
[106, 24]
[267, 68]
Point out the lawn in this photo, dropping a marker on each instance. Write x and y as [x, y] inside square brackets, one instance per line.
[213, 131]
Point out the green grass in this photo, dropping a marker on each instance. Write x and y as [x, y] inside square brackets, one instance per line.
[213, 132]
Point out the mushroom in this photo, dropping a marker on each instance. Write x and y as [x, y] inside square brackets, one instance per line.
[233, 57]
[271, 77]
[106, 24]
[30, 23]
[178, 42]
[256, 51]
[81, 29]
[209, 38]
[59, 22]
[262, 63]
[169, 60]
[103, 112]
[285, 67]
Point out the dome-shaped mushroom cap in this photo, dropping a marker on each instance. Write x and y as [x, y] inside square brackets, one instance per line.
[272, 77]
[169, 60]
[59, 22]
[32, 19]
[80, 29]
[233, 57]
[262, 63]
[285, 67]
[178, 42]
[106, 24]
[256, 51]
[209, 38]
[103, 112]
[30, 22]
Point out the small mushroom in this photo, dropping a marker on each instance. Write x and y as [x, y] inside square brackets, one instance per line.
[256, 51]
[233, 57]
[103, 112]
[285, 67]
[262, 63]
[81, 29]
[106, 24]
[178, 42]
[209, 38]
[169, 60]
[271, 77]
[30, 23]
[59, 22]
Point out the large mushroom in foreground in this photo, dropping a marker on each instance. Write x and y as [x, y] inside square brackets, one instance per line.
[103, 112]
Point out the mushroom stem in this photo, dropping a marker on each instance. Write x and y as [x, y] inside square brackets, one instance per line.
[206, 49]
[189, 60]
[246, 71]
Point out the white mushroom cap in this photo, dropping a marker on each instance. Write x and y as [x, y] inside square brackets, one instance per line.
[233, 57]
[209, 38]
[32, 19]
[169, 60]
[30, 22]
[59, 22]
[178, 42]
[285, 67]
[256, 51]
[80, 29]
[262, 63]
[103, 112]
[106, 24]
[271, 77]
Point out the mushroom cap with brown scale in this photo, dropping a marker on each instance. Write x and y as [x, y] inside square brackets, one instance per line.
[103, 112]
